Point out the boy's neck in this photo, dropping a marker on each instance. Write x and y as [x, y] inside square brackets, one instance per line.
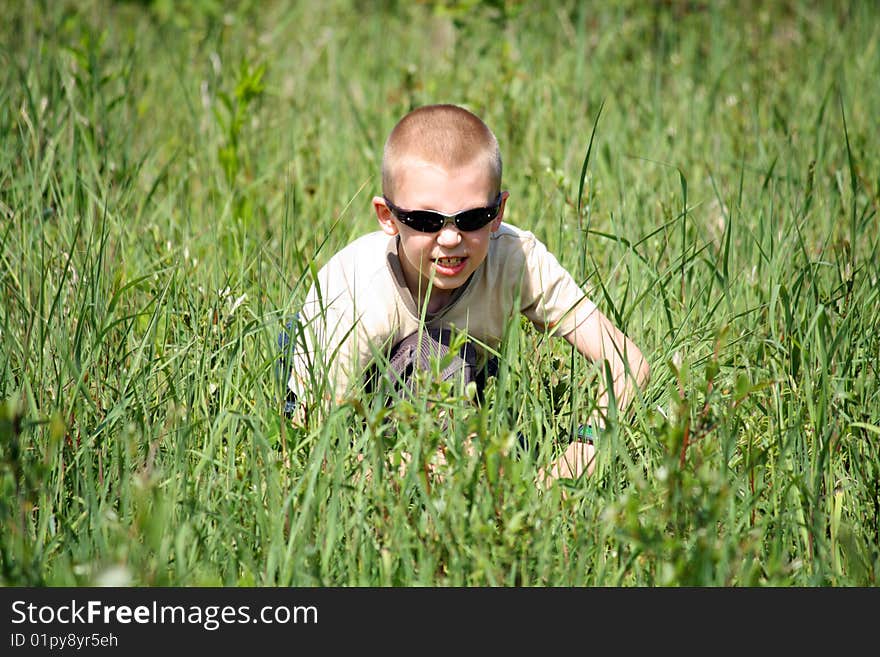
[438, 300]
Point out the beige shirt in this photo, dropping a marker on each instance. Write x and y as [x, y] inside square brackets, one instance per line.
[360, 305]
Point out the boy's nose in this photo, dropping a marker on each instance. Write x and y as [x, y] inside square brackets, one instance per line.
[448, 235]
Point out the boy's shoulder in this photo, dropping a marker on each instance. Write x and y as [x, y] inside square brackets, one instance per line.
[510, 241]
[367, 251]
[360, 269]
[507, 232]
[513, 248]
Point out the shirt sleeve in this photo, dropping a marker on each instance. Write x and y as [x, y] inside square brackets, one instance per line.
[325, 352]
[343, 320]
[550, 297]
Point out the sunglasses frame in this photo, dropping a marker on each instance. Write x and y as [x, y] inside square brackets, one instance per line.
[410, 219]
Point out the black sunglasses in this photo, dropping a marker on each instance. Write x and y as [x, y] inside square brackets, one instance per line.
[428, 221]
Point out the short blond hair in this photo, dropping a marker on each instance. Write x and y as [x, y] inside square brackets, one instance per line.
[447, 135]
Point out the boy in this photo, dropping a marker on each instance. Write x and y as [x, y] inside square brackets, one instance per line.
[444, 256]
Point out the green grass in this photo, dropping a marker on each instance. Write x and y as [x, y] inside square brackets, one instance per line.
[170, 178]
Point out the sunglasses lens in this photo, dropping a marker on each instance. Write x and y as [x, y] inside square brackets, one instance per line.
[426, 221]
[474, 219]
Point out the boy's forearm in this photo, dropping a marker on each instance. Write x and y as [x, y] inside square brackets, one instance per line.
[601, 342]
[628, 376]
[579, 457]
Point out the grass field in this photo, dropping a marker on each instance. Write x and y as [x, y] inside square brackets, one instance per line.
[171, 174]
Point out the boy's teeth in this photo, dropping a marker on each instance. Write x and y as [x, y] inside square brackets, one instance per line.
[451, 262]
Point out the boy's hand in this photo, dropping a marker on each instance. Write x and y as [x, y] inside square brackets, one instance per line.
[578, 457]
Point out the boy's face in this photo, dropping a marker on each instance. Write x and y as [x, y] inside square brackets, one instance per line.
[451, 255]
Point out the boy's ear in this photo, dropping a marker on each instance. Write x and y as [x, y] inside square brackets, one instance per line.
[496, 223]
[383, 214]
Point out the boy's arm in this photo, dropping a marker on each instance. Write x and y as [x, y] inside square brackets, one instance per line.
[597, 339]
[549, 295]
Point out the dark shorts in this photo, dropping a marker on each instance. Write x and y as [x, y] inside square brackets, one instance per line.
[430, 349]
[396, 376]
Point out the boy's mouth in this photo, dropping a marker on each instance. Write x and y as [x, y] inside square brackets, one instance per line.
[449, 262]
[450, 266]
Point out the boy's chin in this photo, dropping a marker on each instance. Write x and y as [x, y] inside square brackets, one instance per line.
[450, 282]
[448, 285]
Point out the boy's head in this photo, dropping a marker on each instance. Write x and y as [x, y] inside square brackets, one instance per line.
[445, 135]
[444, 160]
